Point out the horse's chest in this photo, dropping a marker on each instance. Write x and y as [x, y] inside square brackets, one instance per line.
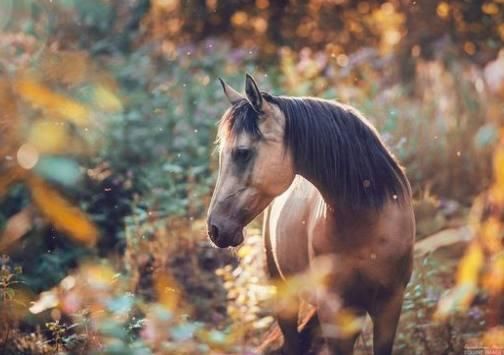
[288, 229]
[290, 249]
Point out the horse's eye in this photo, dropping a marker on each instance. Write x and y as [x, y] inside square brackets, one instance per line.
[242, 155]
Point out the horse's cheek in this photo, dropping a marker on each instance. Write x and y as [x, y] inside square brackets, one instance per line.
[274, 181]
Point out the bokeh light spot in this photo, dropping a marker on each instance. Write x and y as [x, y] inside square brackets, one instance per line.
[27, 156]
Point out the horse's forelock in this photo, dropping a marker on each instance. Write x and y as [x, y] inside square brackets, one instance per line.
[240, 118]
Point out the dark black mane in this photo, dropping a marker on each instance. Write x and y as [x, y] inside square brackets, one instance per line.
[334, 147]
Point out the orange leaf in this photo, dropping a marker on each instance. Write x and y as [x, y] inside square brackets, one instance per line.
[9, 119]
[167, 290]
[17, 226]
[61, 213]
[46, 99]
[498, 165]
[494, 338]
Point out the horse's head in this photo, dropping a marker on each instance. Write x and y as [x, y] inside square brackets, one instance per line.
[254, 165]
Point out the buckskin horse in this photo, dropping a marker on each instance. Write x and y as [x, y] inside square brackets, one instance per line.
[330, 187]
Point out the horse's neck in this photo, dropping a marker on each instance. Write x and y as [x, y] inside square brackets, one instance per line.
[328, 206]
[329, 200]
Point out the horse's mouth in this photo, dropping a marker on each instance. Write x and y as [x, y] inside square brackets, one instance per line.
[238, 238]
[231, 240]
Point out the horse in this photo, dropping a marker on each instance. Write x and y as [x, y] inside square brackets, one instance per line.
[329, 188]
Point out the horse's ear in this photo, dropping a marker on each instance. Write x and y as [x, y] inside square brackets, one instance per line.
[253, 94]
[232, 95]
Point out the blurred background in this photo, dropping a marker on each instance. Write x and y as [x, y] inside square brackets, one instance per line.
[108, 114]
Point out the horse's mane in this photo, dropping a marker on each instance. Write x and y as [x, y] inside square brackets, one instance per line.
[334, 146]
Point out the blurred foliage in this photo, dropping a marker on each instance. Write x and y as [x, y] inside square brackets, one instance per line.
[337, 27]
[108, 113]
[482, 266]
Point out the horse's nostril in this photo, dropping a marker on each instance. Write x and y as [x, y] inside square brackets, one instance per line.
[214, 232]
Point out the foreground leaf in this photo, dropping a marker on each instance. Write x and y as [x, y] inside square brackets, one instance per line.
[45, 99]
[61, 213]
[17, 226]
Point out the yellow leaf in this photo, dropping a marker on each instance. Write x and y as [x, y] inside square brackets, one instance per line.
[48, 137]
[308, 284]
[494, 279]
[98, 276]
[61, 213]
[348, 322]
[244, 251]
[461, 296]
[470, 265]
[43, 98]
[106, 100]
[491, 235]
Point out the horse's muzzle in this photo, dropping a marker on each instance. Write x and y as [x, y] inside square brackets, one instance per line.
[224, 234]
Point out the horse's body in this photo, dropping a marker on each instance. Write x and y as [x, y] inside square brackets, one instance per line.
[371, 253]
[334, 192]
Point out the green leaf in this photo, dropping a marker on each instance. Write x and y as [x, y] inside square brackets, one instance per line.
[121, 304]
[173, 168]
[184, 331]
[486, 135]
[58, 169]
[113, 329]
